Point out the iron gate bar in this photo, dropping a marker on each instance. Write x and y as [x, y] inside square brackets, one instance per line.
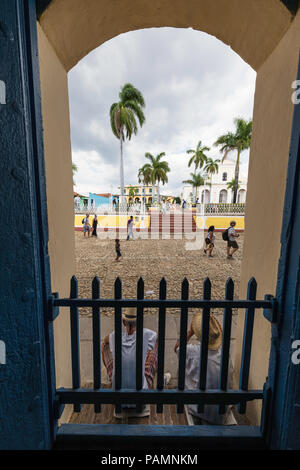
[118, 340]
[161, 344]
[183, 340]
[139, 340]
[204, 341]
[96, 340]
[247, 342]
[166, 396]
[168, 303]
[75, 348]
[139, 337]
[227, 322]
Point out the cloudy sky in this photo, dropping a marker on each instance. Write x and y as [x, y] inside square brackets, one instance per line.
[193, 86]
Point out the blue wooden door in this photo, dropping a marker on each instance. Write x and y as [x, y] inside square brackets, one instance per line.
[284, 372]
[26, 363]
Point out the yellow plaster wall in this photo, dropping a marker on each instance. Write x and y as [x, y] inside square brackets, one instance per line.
[273, 113]
[57, 148]
[252, 28]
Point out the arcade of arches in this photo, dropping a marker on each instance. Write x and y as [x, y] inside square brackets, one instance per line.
[267, 36]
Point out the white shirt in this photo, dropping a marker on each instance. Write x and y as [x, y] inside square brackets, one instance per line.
[212, 382]
[129, 355]
[231, 232]
[213, 237]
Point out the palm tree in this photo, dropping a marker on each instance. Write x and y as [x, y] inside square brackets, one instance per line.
[196, 181]
[231, 185]
[132, 193]
[159, 170]
[239, 140]
[211, 168]
[198, 156]
[145, 176]
[123, 120]
[74, 170]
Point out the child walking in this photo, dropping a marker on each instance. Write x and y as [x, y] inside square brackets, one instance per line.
[210, 241]
[118, 249]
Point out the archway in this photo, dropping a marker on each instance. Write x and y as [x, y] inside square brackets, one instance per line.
[223, 196]
[62, 44]
[205, 196]
[241, 196]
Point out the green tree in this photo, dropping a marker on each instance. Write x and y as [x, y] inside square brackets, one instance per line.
[198, 157]
[238, 141]
[145, 176]
[196, 181]
[159, 170]
[132, 192]
[123, 119]
[211, 168]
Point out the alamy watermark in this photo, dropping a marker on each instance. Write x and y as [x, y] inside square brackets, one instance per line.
[2, 352]
[296, 94]
[296, 353]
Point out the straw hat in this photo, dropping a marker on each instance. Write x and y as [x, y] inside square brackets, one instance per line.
[129, 314]
[215, 331]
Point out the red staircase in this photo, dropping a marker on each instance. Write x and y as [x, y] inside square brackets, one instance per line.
[172, 222]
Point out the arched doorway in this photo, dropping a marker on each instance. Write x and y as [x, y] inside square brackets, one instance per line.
[223, 196]
[205, 196]
[242, 196]
[256, 48]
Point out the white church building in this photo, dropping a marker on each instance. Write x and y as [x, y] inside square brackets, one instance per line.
[215, 189]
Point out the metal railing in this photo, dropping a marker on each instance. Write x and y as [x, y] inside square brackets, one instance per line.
[224, 209]
[135, 209]
[160, 396]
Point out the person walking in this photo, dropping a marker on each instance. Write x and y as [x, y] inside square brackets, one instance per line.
[95, 223]
[86, 225]
[232, 243]
[118, 249]
[130, 228]
[210, 241]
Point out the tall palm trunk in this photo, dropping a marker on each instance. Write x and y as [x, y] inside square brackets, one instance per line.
[158, 192]
[236, 176]
[210, 181]
[153, 193]
[121, 167]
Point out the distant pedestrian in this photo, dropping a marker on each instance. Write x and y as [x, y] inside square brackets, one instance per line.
[130, 228]
[118, 249]
[210, 241]
[86, 225]
[231, 243]
[114, 202]
[95, 223]
[183, 204]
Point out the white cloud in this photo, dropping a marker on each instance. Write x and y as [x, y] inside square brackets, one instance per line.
[193, 86]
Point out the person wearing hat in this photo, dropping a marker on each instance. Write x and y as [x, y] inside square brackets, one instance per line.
[210, 415]
[129, 358]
